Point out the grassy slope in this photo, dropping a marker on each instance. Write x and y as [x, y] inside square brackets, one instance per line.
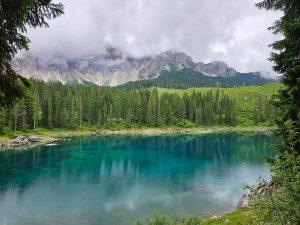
[234, 218]
[237, 217]
[244, 95]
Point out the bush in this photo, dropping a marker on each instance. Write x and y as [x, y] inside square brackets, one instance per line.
[282, 205]
[159, 219]
[184, 123]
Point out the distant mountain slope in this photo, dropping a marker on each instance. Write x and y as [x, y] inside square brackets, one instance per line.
[186, 78]
[114, 68]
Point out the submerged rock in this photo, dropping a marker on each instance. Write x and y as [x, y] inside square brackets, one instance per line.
[51, 144]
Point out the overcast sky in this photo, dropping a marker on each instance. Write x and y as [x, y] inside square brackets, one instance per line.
[234, 31]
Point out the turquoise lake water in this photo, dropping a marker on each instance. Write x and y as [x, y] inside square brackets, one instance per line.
[114, 180]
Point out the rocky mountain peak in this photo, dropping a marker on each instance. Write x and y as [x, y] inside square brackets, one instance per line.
[215, 69]
[174, 56]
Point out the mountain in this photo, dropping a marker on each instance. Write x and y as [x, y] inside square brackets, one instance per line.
[114, 68]
[186, 78]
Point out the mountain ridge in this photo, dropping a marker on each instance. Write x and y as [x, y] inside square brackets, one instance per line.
[187, 78]
[114, 68]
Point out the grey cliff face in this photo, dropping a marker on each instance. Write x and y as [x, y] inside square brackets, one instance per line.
[216, 68]
[113, 67]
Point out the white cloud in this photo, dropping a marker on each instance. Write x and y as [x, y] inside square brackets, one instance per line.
[231, 31]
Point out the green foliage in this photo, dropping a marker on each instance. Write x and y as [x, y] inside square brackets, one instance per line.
[240, 216]
[158, 219]
[288, 25]
[246, 101]
[184, 123]
[287, 61]
[54, 105]
[15, 17]
[192, 220]
[288, 105]
[281, 206]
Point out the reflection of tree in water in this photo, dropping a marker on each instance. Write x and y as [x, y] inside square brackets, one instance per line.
[119, 160]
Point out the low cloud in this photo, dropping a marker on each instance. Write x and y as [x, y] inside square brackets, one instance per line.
[231, 31]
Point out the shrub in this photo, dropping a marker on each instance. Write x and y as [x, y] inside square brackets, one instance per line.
[282, 205]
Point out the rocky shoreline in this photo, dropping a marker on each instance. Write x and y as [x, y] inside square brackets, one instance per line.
[30, 140]
[22, 141]
[159, 131]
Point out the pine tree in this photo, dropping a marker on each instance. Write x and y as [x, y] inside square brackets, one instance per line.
[151, 111]
[16, 17]
[286, 170]
[255, 116]
[287, 62]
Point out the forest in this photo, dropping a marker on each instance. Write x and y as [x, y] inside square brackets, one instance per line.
[54, 105]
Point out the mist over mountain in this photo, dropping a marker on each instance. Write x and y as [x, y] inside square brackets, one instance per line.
[114, 68]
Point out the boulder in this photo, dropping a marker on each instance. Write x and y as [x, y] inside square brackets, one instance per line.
[33, 139]
[19, 140]
[56, 136]
[257, 191]
[268, 131]
[244, 202]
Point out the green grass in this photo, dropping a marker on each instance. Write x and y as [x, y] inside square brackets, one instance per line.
[245, 97]
[237, 217]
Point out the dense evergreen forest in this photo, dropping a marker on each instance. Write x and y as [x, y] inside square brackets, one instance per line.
[54, 105]
[186, 78]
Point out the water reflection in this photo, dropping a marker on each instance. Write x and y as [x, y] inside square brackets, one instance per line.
[117, 178]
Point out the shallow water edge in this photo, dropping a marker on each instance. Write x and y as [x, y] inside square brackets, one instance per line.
[49, 136]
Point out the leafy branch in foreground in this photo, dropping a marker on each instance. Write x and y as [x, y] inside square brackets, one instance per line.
[287, 62]
[15, 17]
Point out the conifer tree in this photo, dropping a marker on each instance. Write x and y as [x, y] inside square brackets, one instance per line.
[16, 17]
[286, 169]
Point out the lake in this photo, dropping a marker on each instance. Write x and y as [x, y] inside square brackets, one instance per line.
[115, 179]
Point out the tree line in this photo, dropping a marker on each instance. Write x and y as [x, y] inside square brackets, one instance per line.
[264, 110]
[54, 105]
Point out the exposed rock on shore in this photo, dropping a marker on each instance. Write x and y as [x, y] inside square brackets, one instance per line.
[21, 141]
[245, 201]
